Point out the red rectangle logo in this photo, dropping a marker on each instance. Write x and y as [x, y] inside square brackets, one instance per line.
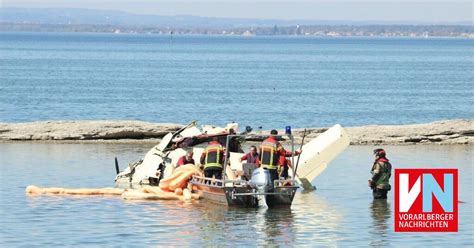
[426, 200]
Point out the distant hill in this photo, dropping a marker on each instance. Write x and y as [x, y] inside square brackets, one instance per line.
[69, 16]
[111, 17]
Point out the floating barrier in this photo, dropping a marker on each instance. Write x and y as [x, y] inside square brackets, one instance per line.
[179, 178]
[172, 188]
[35, 190]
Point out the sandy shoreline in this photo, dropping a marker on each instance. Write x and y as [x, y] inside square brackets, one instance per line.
[444, 132]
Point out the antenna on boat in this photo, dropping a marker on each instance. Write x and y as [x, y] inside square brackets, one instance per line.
[226, 157]
[117, 169]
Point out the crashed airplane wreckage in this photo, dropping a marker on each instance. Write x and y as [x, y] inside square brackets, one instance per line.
[242, 184]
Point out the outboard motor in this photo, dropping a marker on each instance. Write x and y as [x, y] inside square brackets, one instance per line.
[261, 180]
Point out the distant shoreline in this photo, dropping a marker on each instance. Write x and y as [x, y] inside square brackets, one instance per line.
[243, 36]
[445, 132]
[316, 31]
[122, 21]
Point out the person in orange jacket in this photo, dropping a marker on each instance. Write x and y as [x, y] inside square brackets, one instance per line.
[285, 165]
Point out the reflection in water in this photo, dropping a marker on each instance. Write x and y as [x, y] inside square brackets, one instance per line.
[380, 211]
[213, 223]
[245, 226]
[316, 221]
[278, 226]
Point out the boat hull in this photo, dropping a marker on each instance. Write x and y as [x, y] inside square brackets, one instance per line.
[242, 195]
[282, 199]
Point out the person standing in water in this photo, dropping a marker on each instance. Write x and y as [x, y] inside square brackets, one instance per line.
[381, 172]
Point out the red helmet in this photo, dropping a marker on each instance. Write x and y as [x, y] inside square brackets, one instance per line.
[379, 152]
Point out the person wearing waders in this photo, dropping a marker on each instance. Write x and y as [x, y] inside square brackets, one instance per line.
[381, 172]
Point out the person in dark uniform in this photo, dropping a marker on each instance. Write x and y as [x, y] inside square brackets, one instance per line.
[213, 159]
[270, 153]
[381, 172]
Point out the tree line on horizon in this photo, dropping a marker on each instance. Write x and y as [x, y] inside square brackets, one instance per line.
[293, 30]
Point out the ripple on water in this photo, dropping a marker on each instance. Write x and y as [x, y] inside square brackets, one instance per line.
[340, 213]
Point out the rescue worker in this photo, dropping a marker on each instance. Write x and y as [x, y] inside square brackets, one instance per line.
[284, 165]
[252, 156]
[186, 159]
[270, 153]
[213, 159]
[381, 172]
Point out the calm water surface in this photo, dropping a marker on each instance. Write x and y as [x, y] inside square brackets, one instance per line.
[258, 81]
[340, 213]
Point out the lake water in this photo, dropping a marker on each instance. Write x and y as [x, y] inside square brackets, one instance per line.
[258, 81]
[340, 213]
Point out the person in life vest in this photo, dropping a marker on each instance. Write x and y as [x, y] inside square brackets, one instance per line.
[381, 172]
[213, 159]
[251, 157]
[186, 159]
[271, 151]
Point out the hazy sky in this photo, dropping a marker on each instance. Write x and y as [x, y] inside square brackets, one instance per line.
[355, 10]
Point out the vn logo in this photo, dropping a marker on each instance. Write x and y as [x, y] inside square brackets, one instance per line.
[426, 200]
